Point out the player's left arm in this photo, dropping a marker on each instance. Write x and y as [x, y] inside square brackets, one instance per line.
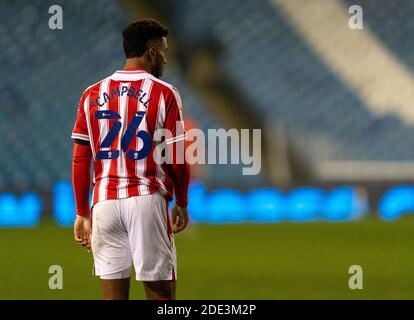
[177, 169]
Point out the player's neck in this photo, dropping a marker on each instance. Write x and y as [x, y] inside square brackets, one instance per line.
[136, 63]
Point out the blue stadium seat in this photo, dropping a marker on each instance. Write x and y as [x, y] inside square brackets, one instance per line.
[396, 202]
[267, 205]
[344, 204]
[304, 204]
[288, 82]
[227, 206]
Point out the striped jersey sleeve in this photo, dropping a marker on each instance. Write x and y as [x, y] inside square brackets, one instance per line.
[174, 122]
[80, 130]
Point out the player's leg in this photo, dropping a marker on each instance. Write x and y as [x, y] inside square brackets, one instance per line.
[111, 252]
[116, 289]
[152, 244]
[160, 290]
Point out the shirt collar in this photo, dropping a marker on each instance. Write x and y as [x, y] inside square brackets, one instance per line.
[132, 70]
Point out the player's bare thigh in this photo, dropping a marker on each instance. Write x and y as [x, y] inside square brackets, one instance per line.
[118, 289]
[160, 290]
[115, 289]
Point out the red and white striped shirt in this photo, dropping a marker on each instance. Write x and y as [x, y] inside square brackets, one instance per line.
[106, 111]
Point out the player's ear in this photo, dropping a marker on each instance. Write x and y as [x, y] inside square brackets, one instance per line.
[152, 52]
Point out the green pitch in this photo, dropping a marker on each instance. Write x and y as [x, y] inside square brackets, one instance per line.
[279, 261]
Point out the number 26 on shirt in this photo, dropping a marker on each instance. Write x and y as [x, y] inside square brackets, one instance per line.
[126, 138]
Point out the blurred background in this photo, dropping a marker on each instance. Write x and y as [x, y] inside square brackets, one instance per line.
[335, 109]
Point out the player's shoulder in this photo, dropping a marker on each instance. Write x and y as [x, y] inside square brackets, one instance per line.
[166, 87]
[92, 87]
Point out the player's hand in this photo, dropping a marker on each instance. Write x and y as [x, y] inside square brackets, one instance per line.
[82, 229]
[179, 218]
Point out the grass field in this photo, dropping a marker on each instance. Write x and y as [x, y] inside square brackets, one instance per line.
[279, 261]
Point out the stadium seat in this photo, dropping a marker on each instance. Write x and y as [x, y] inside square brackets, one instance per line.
[396, 202]
[288, 82]
[226, 206]
[344, 204]
[304, 204]
[266, 205]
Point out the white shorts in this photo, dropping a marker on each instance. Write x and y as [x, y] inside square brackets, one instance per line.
[136, 231]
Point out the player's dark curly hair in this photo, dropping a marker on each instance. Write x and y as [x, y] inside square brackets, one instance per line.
[137, 34]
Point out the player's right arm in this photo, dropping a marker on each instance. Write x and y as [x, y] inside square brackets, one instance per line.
[81, 161]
